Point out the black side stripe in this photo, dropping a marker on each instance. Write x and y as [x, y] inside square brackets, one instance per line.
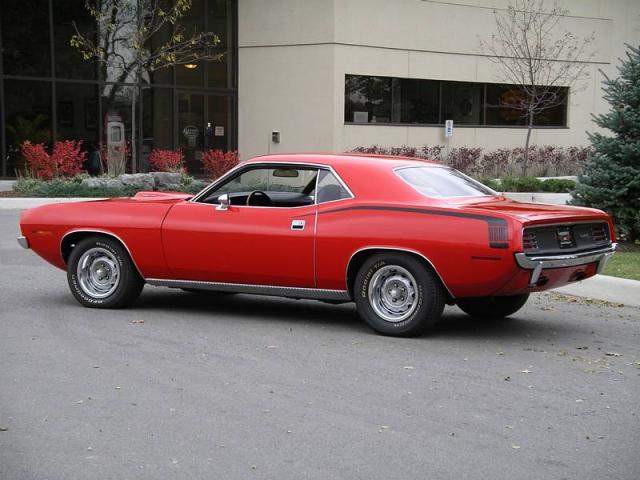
[490, 220]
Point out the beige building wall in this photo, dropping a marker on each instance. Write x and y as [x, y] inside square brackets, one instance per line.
[294, 55]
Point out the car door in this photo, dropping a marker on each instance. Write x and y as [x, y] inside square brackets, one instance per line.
[261, 245]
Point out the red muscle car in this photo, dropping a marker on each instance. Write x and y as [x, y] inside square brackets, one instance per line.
[399, 237]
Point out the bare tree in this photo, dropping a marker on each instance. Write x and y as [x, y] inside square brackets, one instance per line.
[534, 55]
[135, 38]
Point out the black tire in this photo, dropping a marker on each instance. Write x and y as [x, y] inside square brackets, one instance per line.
[492, 307]
[428, 298]
[129, 284]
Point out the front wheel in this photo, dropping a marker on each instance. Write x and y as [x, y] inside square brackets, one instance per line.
[397, 295]
[492, 307]
[101, 274]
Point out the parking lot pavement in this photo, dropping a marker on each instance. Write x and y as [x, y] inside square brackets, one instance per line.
[198, 386]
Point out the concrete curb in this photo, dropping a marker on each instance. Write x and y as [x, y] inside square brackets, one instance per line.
[7, 185]
[539, 197]
[22, 203]
[604, 287]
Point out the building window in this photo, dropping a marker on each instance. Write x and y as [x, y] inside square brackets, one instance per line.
[27, 117]
[370, 99]
[26, 47]
[68, 60]
[67, 97]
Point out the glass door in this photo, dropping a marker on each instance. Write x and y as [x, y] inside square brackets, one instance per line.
[203, 122]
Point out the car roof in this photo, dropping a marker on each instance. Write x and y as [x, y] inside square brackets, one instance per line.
[338, 160]
[369, 177]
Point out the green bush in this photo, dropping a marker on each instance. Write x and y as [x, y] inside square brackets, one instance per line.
[611, 179]
[492, 183]
[67, 188]
[521, 184]
[558, 185]
[72, 187]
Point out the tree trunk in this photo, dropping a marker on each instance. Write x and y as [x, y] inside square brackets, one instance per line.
[525, 160]
[134, 109]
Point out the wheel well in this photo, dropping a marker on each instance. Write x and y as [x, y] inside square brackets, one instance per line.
[72, 239]
[363, 255]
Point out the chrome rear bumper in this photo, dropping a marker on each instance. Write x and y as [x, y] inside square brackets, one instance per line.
[23, 242]
[539, 263]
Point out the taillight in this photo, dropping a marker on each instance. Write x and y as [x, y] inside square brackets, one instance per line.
[599, 233]
[498, 236]
[529, 241]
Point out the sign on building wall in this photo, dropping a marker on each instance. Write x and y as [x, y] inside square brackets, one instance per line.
[448, 128]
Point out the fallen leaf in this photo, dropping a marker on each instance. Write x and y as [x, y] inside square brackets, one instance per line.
[137, 321]
[409, 367]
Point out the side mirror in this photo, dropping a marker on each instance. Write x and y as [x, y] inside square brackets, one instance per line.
[223, 202]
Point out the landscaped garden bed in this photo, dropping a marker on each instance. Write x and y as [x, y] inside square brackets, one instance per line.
[61, 173]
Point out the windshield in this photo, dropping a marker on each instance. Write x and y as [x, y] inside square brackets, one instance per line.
[442, 182]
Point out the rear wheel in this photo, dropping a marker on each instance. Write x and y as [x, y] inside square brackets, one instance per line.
[492, 307]
[396, 295]
[101, 274]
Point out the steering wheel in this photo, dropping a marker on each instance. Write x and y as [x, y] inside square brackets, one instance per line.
[259, 198]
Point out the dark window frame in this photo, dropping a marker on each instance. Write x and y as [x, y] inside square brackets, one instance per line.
[484, 86]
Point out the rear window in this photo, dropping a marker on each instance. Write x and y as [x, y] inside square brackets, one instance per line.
[442, 182]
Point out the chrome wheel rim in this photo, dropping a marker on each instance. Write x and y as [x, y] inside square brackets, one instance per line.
[393, 293]
[98, 272]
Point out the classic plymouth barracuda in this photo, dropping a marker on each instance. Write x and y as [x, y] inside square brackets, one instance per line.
[398, 236]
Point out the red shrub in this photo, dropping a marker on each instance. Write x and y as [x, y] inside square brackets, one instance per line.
[65, 161]
[166, 160]
[217, 162]
[39, 162]
[464, 159]
[68, 157]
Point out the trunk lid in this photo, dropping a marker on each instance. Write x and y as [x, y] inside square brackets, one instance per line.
[532, 213]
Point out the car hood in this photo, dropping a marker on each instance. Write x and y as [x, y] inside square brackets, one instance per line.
[156, 197]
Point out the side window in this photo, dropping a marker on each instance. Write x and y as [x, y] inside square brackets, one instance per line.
[249, 181]
[275, 187]
[329, 188]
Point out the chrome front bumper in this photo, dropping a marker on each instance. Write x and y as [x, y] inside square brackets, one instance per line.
[539, 263]
[23, 242]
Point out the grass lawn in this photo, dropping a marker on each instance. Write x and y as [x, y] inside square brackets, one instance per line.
[625, 263]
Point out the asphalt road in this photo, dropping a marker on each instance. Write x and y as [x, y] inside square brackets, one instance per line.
[186, 386]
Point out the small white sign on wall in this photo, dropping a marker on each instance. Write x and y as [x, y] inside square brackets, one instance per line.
[448, 128]
[360, 117]
[219, 131]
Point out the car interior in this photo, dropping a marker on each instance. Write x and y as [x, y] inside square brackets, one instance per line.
[278, 187]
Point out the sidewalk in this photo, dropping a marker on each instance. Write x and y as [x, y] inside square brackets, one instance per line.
[22, 203]
[604, 287]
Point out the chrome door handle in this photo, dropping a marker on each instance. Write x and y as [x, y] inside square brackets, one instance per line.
[297, 225]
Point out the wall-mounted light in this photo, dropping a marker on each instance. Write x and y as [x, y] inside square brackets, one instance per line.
[190, 66]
